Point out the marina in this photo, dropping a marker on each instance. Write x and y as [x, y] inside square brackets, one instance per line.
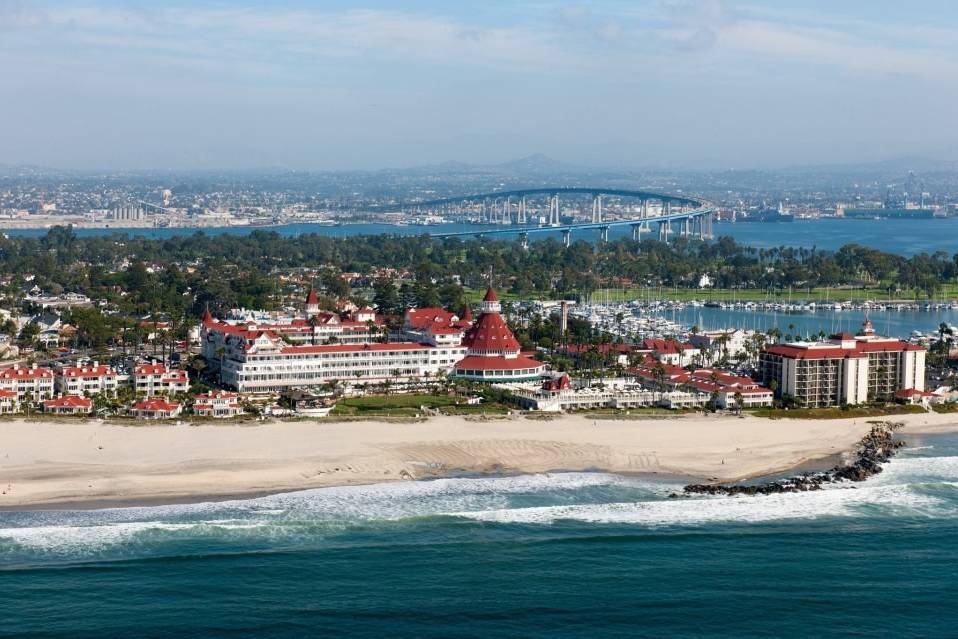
[639, 319]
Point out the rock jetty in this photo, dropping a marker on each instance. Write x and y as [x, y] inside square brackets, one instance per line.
[876, 448]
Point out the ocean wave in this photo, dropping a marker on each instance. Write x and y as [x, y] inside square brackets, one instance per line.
[312, 515]
[905, 469]
[837, 502]
[307, 513]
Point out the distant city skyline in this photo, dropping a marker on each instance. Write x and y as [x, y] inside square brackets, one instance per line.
[341, 85]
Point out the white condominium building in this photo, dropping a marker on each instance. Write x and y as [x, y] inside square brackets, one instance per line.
[150, 379]
[87, 379]
[35, 382]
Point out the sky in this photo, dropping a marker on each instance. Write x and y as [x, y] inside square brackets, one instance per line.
[366, 85]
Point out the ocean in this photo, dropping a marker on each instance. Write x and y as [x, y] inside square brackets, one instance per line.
[559, 555]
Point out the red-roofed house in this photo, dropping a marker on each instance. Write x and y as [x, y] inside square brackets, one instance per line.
[669, 351]
[150, 379]
[156, 408]
[219, 404]
[917, 397]
[845, 369]
[493, 353]
[435, 326]
[35, 381]
[68, 405]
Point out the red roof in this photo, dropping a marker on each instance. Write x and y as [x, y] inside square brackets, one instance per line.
[168, 374]
[491, 334]
[17, 372]
[562, 383]
[495, 363]
[466, 315]
[490, 296]
[666, 346]
[69, 401]
[311, 298]
[423, 318]
[835, 351]
[355, 348]
[88, 371]
[207, 316]
[703, 379]
[156, 405]
[912, 392]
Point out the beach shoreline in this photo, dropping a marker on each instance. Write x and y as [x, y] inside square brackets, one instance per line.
[82, 465]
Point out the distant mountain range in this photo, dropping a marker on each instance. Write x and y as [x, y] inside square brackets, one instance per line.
[535, 164]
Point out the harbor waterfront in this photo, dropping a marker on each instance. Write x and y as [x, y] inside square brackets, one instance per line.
[581, 554]
[675, 318]
[902, 236]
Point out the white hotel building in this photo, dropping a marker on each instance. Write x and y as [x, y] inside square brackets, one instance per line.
[260, 362]
[259, 358]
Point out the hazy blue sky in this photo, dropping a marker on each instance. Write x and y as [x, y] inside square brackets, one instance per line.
[373, 84]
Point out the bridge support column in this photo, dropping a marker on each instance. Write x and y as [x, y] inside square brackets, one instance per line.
[554, 211]
[521, 215]
[567, 237]
[596, 208]
[637, 231]
[524, 240]
[665, 230]
[604, 233]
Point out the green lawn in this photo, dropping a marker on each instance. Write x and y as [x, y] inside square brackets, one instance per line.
[837, 413]
[409, 405]
[950, 407]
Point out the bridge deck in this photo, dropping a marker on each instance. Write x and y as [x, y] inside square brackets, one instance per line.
[582, 190]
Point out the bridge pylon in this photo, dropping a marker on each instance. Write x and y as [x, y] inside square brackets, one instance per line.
[567, 237]
[596, 208]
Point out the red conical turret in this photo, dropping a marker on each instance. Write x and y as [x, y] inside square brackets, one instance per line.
[311, 298]
[466, 314]
[207, 316]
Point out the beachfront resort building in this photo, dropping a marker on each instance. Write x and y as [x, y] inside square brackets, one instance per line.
[313, 327]
[260, 362]
[159, 378]
[845, 369]
[28, 382]
[493, 353]
[87, 379]
[263, 358]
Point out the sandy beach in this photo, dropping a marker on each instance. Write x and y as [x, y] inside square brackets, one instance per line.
[94, 463]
